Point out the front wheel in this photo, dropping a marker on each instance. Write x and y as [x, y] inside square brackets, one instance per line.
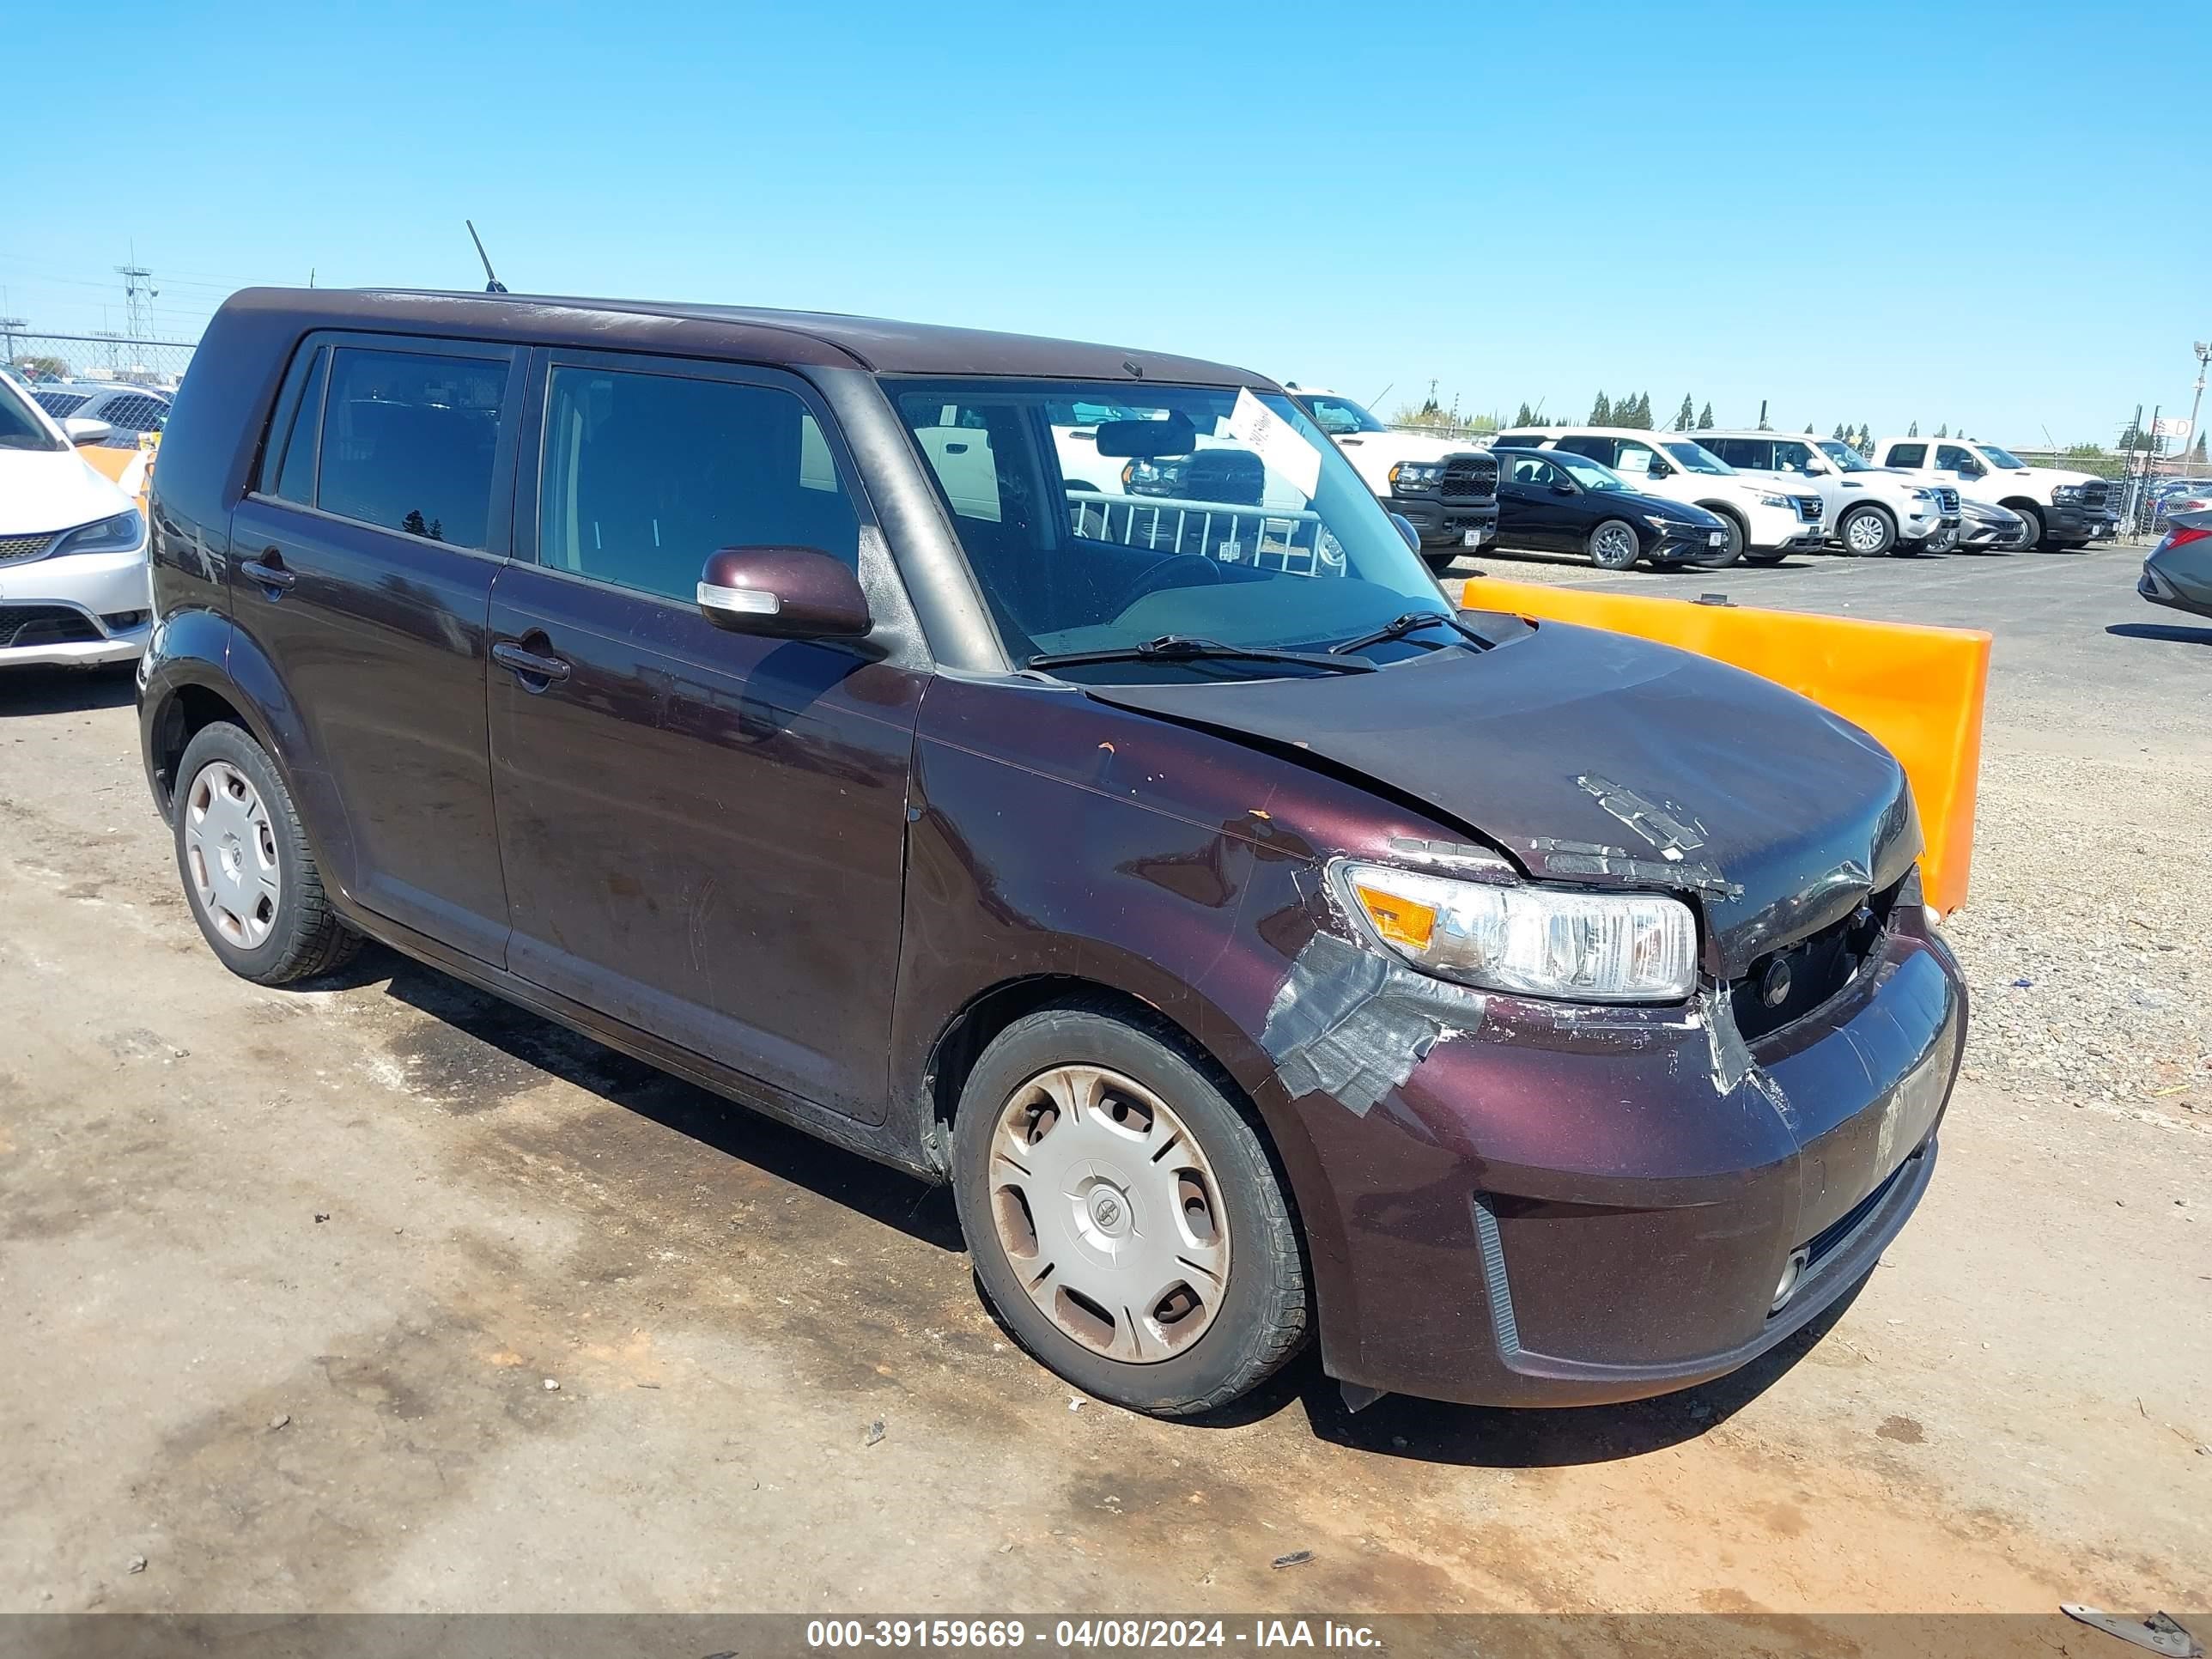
[1867, 532]
[1613, 546]
[1439, 560]
[248, 874]
[1730, 551]
[2033, 519]
[1123, 1216]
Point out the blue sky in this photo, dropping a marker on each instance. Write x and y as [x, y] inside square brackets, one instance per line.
[1996, 216]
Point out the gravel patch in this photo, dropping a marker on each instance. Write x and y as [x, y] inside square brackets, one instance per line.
[2086, 935]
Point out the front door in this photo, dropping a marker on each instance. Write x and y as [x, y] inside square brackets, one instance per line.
[1531, 511]
[361, 581]
[703, 833]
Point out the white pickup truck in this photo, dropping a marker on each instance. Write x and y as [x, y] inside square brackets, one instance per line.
[1445, 488]
[2063, 510]
[1870, 511]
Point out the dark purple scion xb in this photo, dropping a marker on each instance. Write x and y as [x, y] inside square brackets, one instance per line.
[1047, 768]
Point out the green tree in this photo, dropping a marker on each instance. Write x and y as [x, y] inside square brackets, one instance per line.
[1524, 415]
[2197, 453]
[38, 366]
[1944, 430]
[1839, 435]
[1706, 418]
[1912, 431]
[1687, 415]
[1634, 411]
[1601, 411]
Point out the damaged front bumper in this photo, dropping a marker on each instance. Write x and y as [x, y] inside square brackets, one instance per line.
[1557, 1205]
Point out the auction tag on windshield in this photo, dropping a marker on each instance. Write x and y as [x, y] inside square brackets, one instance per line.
[1281, 446]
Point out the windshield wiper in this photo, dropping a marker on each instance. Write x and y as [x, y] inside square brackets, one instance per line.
[1413, 622]
[1185, 648]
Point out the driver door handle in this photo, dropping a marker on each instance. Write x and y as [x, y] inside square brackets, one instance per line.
[529, 664]
[269, 570]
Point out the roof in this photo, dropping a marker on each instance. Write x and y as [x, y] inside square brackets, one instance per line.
[1641, 434]
[756, 334]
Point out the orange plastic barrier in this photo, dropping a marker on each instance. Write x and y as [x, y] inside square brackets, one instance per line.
[128, 469]
[1917, 690]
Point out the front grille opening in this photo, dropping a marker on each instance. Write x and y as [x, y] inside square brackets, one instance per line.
[25, 625]
[1812, 971]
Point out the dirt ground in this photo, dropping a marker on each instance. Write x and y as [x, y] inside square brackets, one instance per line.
[287, 1279]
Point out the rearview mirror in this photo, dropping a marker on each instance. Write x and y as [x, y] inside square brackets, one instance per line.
[82, 429]
[1148, 441]
[785, 592]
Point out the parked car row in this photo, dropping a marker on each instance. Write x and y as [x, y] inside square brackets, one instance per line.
[130, 411]
[1772, 492]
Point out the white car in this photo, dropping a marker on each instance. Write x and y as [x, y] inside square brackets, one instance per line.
[74, 584]
[129, 410]
[1870, 510]
[2064, 510]
[1766, 521]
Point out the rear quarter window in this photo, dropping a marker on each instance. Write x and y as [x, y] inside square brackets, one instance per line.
[1907, 455]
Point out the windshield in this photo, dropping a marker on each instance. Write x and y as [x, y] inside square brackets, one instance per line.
[1846, 458]
[1209, 511]
[1337, 415]
[2000, 457]
[1589, 474]
[19, 425]
[1696, 457]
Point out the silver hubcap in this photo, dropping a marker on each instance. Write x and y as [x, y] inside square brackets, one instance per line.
[1615, 544]
[1110, 1213]
[1864, 533]
[231, 852]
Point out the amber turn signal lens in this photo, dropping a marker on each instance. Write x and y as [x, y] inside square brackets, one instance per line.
[1401, 921]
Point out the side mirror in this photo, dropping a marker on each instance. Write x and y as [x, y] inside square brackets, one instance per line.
[1561, 487]
[784, 593]
[1405, 526]
[1658, 470]
[1814, 469]
[82, 430]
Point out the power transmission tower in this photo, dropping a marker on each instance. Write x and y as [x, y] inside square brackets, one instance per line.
[139, 296]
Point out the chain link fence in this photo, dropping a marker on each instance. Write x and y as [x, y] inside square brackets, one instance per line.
[124, 381]
[157, 365]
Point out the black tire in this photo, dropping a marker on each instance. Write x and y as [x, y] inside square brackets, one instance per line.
[2035, 521]
[1730, 552]
[1262, 1315]
[1867, 532]
[1765, 554]
[1440, 559]
[1613, 545]
[306, 937]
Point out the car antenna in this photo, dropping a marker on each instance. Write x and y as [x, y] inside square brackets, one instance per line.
[1380, 396]
[492, 284]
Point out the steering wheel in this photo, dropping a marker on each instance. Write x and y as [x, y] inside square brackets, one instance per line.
[1176, 570]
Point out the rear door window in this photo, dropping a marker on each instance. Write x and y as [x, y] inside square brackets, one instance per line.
[646, 475]
[407, 440]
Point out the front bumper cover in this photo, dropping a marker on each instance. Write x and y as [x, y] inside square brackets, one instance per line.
[1544, 1243]
[62, 609]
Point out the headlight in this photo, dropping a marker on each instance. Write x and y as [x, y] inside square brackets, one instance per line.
[1923, 495]
[2067, 493]
[1534, 941]
[119, 534]
[1658, 521]
[1416, 475]
[1768, 500]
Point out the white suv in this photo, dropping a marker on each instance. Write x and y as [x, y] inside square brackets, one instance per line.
[1765, 522]
[2064, 510]
[1870, 511]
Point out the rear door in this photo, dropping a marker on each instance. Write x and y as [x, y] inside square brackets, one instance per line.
[362, 564]
[703, 833]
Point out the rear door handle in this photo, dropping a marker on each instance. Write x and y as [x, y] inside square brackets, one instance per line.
[529, 664]
[268, 570]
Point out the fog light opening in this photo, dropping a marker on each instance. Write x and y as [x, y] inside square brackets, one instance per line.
[1793, 1272]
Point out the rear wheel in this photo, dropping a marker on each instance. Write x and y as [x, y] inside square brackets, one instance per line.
[1123, 1216]
[1613, 546]
[1730, 550]
[1867, 532]
[248, 874]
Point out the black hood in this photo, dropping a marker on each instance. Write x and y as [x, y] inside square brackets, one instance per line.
[1599, 758]
[1682, 513]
